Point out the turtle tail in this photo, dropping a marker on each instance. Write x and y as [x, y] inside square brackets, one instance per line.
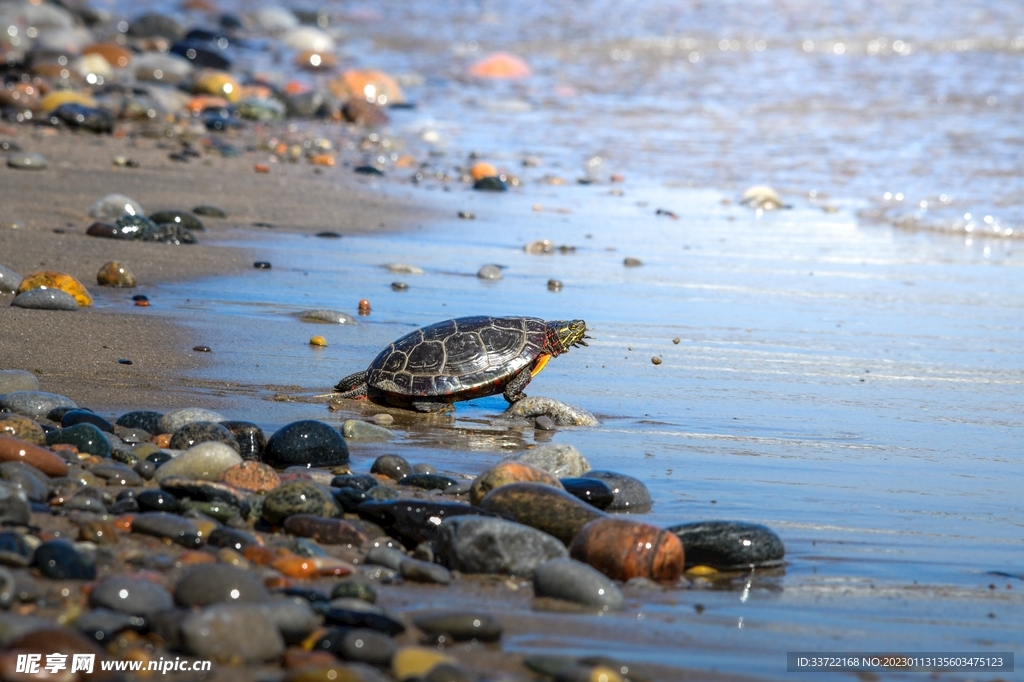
[353, 386]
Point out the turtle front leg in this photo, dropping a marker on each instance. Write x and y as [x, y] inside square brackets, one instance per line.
[514, 388]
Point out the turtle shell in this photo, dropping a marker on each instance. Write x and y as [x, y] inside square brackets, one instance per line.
[468, 357]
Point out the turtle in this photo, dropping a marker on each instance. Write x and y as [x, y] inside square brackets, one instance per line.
[461, 359]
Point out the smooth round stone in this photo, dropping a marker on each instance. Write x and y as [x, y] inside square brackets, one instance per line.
[462, 626]
[34, 404]
[145, 468]
[210, 211]
[208, 584]
[59, 560]
[115, 274]
[623, 549]
[142, 419]
[308, 443]
[476, 544]
[113, 207]
[134, 596]
[354, 429]
[631, 495]
[354, 589]
[175, 419]
[202, 432]
[322, 316]
[86, 437]
[249, 436]
[203, 462]
[9, 283]
[80, 416]
[14, 504]
[293, 617]
[45, 299]
[414, 521]
[593, 491]
[134, 437]
[490, 184]
[373, 620]
[87, 499]
[429, 481]
[27, 161]
[251, 476]
[730, 545]
[562, 414]
[423, 468]
[543, 507]
[326, 531]
[386, 556]
[57, 413]
[23, 428]
[232, 633]
[12, 380]
[394, 467]
[103, 625]
[16, 450]
[126, 506]
[27, 478]
[117, 474]
[162, 525]
[577, 582]
[298, 497]
[418, 571]
[232, 538]
[505, 473]
[558, 459]
[159, 458]
[358, 481]
[358, 644]
[489, 272]
[183, 218]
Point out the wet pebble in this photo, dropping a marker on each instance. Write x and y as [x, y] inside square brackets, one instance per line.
[209, 584]
[103, 625]
[207, 491]
[544, 423]
[418, 571]
[354, 589]
[262, 265]
[630, 262]
[307, 443]
[298, 497]
[117, 474]
[730, 545]
[293, 618]
[168, 233]
[59, 560]
[250, 438]
[505, 473]
[14, 504]
[355, 429]
[205, 461]
[135, 596]
[404, 269]
[33, 482]
[386, 556]
[429, 481]
[358, 481]
[142, 419]
[50, 280]
[373, 620]
[490, 272]
[575, 581]
[115, 274]
[156, 500]
[358, 644]
[80, 416]
[631, 495]
[593, 491]
[562, 414]
[16, 450]
[175, 419]
[555, 285]
[202, 432]
[210, 211]
[474, 544]
[179, 530]
[558, 459]
[251, 476]
[394, 467]
[26, 429]
[45, 299]
[232, 538]
[414, 521]
[86, 437]
[399, 286]
[87, 499]
[9, 283]
[27, 161]
[232, 632]
[324, 316]
[762, 197]
[183, 218]
[623, 549]
[461, 626]
[543, 507]
[114, 206]
[326, 531]
[490, 184]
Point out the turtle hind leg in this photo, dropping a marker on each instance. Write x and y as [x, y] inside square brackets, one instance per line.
[514, 388]
[352, 387]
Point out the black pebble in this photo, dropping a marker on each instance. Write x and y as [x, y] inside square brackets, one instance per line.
[125, 361]
[368, 170]
[201, 349]
[140, 297]
[328, 235]
[490, 184]
[261, 265]
[399, 286]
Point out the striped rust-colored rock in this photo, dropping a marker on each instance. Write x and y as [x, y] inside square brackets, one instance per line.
[624, 549]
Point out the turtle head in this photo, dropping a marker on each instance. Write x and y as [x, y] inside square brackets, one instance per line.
[565, 334]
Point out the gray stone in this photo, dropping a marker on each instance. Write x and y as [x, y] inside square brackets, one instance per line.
[218, 583]
[293, 617]
[14, 504]
[34, 404]
[202, 462]
[461, 626]
[730, 545]
[117, 474]
[326, 317]
[232, 632]
[45, 299]
[103, 624]
[12, 380]
[9, 283]
[113, 206]
[490, 272]
[175, 419]
[25, 477]
[163, 525]
[558, 459]
[631, 495]
[562, 414]
[477, 544]
[575, 581]
[363, 645]
[386, 556]
[418, 571]
[135, 596]
[354, 429]
[27, 161]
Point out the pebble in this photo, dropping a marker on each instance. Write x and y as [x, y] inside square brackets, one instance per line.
[399, 286]
[9, 283]
[48, 279]
[623, 549]
[558, 459]
[14, 504]
[175, 419]
[415, 521]
[358, 644]
[59, 560]
[327, 531]
[210, 211]
[593, 491]
[207, 491]
[103, 625]
[231, 538]
[373, 620]
[358, 481]
[555, 285]
[630, 262]
[134, 596]
[762, 197]
[252, 477]
[429, 481]
[413, 662]
[475, 544]
[293, 618]
[354, 589]
[577, 582]
[12, 380]
[209, 584]
[156, 500]
[490, 184]
[461, 626]
[183, 218]
[418, 571]
[175, 528]
[544, 423]
[80, 416]
[324, 316]
[394, 467]
[404, 269]
[115, 274]
[87, 499]
[249, 437]
[730, 545]
[115, 473]
[507, 472]
[27, 161]
[28, 479]
[202, 432]
[354, 429]
[491, 272]
[86, 437]
[307, 443]
[16, 426]
[262, 265]
[543, 507]
[141, 419]
[383, 419]
[386, 556]
[229, 633]
[318, 341]
[16, 450]
[631, 495]
[168, 233]
[45, 299]
[298, 497]
[560, 413]
[205, 462]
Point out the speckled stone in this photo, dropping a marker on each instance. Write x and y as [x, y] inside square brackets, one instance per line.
[59, 560]
[575, 581]
[730, 545]
[354, 429]
[80, 416]
[307, 443]
[394, 467]
[560, 413]
[9, 283]
[475, 544]
[141, 419]
[202, 432]
[22, 428]
[219, 583]
[34, 404]
[357, 481]
[631, 495]
[14, 504]
[175, 419]
[251, 476]
[183, 218]
[205, 462]
[175, 528]
[461, 626]
[16, 379]
[134, 596]
[232, 632]
[86, 437]
[558, 459]
[543, 507]
[250, 438]
[298, 497]
[45, 299]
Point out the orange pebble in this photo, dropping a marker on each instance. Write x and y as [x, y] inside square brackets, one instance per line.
[261, 556]
[624, 549]
[142, 304]
[277, 582]
[262, 168]
[296, 658]
[332, 566]
[200, 102]
[482, 170]
[193, 557]
[322, 160]
[124, 522]
[66, 447]
[364, 307]
[162, 440]
[295, 567]
[406, 161]
[500, 65]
